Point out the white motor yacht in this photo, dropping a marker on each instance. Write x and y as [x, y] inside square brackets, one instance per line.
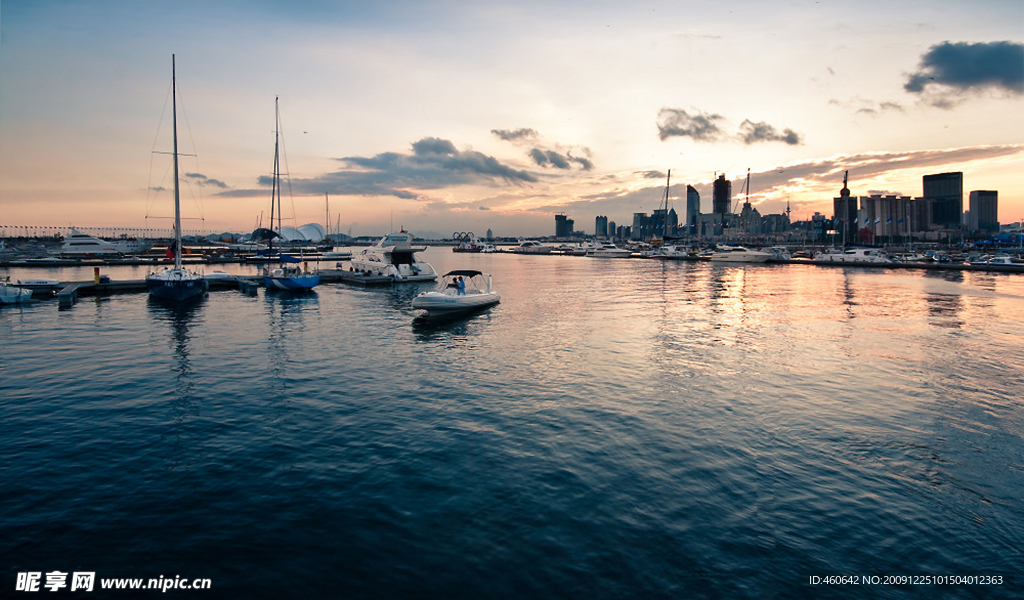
[853, 255]
[83, 244]
[458, 291]
[532, 247]
[608, 251]
[739, 254]
[394, 256]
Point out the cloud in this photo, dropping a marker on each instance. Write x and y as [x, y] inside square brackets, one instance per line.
[516, 135]
[433, 164]
[557, 160]
[675, 122]
[201, 179]
[549, 158]
[763, 132]
[543, 157]
[704, 127]
[951, 68]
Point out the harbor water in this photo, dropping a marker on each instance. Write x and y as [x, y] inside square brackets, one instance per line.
[612, 429]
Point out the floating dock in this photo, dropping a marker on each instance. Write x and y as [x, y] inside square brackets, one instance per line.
[69, 292]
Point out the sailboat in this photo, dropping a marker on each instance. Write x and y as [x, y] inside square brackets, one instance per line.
[176, 284]
[287, 275]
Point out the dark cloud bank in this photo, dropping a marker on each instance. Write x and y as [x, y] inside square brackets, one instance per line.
[433, 164]
[541, 156]
[965, 66]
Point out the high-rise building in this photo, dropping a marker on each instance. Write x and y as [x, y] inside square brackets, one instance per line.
[692, 205]
[721, 196]
[601, 226]
[563, 226]
[984, 206]
[944, 193]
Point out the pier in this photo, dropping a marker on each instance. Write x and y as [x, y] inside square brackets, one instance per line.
[67, 293]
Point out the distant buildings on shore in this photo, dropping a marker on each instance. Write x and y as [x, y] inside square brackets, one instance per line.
[937, 214]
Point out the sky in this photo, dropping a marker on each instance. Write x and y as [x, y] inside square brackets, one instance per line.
[458, 116]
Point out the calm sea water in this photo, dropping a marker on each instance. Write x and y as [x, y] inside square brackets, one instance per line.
[613, 429]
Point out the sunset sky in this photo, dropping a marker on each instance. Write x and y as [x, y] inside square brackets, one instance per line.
[463, 116]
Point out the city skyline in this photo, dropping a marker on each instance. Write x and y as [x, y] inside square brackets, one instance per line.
[468, 116]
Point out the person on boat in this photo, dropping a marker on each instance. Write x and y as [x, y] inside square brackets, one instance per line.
[462, 286]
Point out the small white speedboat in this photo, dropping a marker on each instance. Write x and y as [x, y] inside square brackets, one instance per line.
[458, 291]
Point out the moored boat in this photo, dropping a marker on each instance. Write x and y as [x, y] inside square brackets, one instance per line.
[287, 276]
[82, 244]
[394, 256]
[37, 286]
[176, 283]
[739, 254]
[609, 251]
[853, 255]
[779, 254]
[1000, 260]
[531, 247]
[10, 294]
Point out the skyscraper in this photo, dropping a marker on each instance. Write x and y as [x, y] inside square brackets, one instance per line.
[984, 206]
[721, 196]
[692, 205]
[601, 226]
[563, 226]
[945, 193]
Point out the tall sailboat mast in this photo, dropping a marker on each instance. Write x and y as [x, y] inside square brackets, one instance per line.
[275, 191]
[177, 200]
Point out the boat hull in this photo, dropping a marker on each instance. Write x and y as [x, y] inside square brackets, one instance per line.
[436, 303]
[741, 259]
[610, 254]
[176, 290]
[14, 295]
[292, 284]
